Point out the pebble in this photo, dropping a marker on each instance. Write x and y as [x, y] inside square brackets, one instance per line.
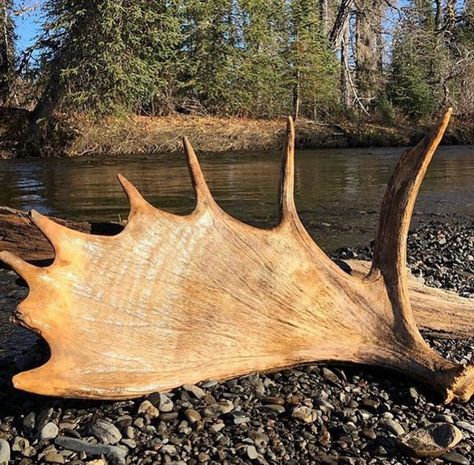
[454, 457]
[465, 426]
[105, 431]
[395, 427]
[432, 441]
[195, 390]
[252, 453]
[192, 415]
[48, 431]
[166, 405]
[53, 456]
[115, 454]
[278, 409]
[305, 414]
[4, 452]
[148, 409]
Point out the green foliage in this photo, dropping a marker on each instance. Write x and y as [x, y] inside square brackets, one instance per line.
[109, 56]
[314, 64]
[385, 111]
[259, 58]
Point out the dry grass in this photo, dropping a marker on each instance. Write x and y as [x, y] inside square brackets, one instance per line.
[145, 135]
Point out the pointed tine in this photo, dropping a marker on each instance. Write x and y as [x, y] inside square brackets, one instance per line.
[399, 201]
[136, 200]
[53, 231]
[24, 269]
[201, 189]
[287, 181]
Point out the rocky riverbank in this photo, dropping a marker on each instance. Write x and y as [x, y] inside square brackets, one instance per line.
[307, 415]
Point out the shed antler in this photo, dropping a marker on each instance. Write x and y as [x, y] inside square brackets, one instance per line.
[180, 299]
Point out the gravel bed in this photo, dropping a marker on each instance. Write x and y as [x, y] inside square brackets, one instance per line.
[308, 415]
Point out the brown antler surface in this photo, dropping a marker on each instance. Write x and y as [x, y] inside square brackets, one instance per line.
[180, 299]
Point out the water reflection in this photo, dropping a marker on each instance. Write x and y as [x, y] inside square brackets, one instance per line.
[338, 192]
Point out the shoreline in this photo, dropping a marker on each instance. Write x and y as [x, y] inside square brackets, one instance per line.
[77, 135]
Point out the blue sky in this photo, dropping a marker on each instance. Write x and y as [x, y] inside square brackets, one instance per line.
[26, 24]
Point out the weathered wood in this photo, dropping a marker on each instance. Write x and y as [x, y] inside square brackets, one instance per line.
[19, 235]
[180, 299]
[438, 312]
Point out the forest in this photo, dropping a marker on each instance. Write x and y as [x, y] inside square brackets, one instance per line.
[366, 61]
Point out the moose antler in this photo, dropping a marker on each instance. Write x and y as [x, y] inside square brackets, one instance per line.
[179, 299]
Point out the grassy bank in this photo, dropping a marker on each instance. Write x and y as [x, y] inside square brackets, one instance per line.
[214, 135]
[76, 136]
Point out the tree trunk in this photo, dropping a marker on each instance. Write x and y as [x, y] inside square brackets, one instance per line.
[346, 98]
[369, 49]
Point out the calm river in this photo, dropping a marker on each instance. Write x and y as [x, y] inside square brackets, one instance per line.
[338, 192]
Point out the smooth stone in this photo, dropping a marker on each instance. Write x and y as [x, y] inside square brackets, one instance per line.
[148, 409]
[240, 418]
[225, 406]
[370, 404]
[196, 391]
[329, 375]
[432, 441]
[252, 453]
[305, 414]
[216, 427]
[53, 456]
[165, 405]
[465, 426]
[395, 427]
[192, 415]
[115, 454]
[454, 457]
[442, 418]
[48, 431]
[273, 400]
[29, 421]
[21, 445]
[278, 409]
[168, 416]
[105, 431]
[43, 417]
[4, 452]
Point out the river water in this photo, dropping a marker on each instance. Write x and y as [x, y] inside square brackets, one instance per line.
[338, 191]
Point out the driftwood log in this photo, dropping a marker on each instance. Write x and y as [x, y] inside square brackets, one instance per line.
[179, 299]
[437, 312]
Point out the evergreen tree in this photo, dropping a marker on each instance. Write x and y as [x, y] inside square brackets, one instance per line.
[7, 51]
[108, 55]
[210, 46]
[313, 63]
[263, 87]
[414, 61]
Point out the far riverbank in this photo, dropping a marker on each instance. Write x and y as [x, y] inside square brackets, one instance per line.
[77, 135]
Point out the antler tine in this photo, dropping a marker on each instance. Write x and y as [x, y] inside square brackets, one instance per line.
[397, 209]
[201, 189]
[136, 200]
[287, 181]
[53, 231]
[27, 271]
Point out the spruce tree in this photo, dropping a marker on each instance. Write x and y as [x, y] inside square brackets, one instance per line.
[263, 87]
[312, 61]
[107, 56]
